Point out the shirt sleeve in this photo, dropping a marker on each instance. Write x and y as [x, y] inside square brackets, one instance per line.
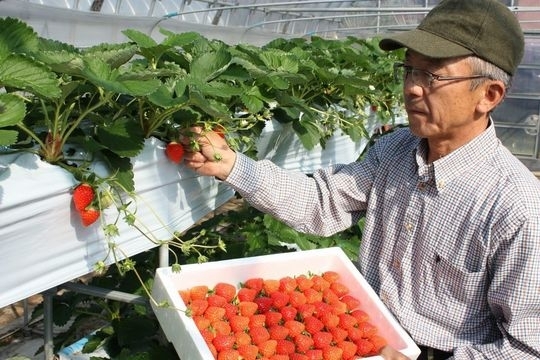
[325, 203]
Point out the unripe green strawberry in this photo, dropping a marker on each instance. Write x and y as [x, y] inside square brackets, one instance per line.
[89, 216]
[174, 152]
[83, 195]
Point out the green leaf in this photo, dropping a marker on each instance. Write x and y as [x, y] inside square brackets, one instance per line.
[16, 37]
[8, 137]
[113, 54]
[23, 73]
[12, 110]
[101, 74]
[210, 65]
[308, 133]
[123, 137]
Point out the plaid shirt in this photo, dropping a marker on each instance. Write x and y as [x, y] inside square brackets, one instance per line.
[452, 247]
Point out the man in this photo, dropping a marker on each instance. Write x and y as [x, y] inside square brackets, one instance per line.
[452, 233]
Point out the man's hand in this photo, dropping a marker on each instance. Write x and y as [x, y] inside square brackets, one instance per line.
[389, 353]
[207, 153]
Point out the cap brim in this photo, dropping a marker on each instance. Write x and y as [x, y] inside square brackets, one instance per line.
[425, 43]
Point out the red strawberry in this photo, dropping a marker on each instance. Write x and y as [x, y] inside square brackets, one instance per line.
[264, 303]
[285, 347]
[332, 353]
[228, 354]
[226, 290]
[303, 343]
[198, 292]
[239, 323]
[349, 349]
[83, 195]
[259, 335]
[248, 351]
[175, 152]
[267, 348]
[89, 216]
[322, 339]
[246, 294]
[247, 308]
[254, 283]
[278, 332]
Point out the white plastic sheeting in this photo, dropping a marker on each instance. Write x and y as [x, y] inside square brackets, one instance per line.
[84, 29]
[43, 244]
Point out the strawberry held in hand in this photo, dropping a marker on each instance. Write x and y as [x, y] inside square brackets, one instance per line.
[175, 152]
[83, 195]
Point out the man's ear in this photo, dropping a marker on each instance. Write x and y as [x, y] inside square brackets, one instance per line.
[494, 93]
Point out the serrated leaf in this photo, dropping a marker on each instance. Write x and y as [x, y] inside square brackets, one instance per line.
[113, 54]
[8, 137]
[123, 137]
[210, 65]
[277, 60]
[12, 110]
[140, 38]
[23, 73]
[17, 37]
[308, 133]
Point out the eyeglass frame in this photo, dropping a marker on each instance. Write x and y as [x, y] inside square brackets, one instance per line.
[409, 70]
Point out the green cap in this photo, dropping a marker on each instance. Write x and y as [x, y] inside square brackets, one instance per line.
[485, 28]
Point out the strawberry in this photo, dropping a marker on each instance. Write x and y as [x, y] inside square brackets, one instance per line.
[298, 356]
[228, 354]
[259, 335]
[267, 348]
[378, 343]
[364, 347]
[226, 290]
[295, 327]
[264, 303]
[332, 353]
[278, 332]
[254, 283]
[351, 302]
[83, 195]
[288, 313]
[198, 292]
[214, 313]
[279, 299]
[89, 216]
[330, 276]
[303, 282]
[367, 328]
[174, 152]
[247, 308]
[239, 323]
[257, 320]
[297, 298]
[322, 339]
[246, 294]
[338, 334]
[285, 347]
[248, 351]
[303, 343]
[197, 307]
[349, 349]
[314, 354]
[313, 324]
[270, 286]
[242, 338]
[287, 284]
[360, 315]
[339, 288]
[273, 318]
[221, 327]
[216, 300]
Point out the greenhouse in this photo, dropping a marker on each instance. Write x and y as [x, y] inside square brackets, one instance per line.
[109, 220]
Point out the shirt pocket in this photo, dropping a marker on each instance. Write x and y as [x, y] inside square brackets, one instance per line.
[451, 293]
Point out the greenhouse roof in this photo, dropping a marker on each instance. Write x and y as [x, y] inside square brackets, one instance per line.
[325, 18]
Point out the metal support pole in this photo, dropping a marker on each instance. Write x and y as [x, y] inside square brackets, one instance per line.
[164, 255]
[48, 346]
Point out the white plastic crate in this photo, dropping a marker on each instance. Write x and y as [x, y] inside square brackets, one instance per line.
[184, 335]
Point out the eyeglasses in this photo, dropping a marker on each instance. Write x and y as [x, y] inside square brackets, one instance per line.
[424, 78]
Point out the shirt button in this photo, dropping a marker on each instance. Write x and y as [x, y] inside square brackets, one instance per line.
[408, 226]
